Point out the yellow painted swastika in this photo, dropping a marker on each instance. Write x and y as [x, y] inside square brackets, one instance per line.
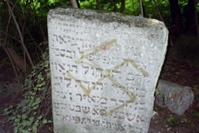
[106, 74]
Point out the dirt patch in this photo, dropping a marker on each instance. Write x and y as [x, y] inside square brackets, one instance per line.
[166, 122]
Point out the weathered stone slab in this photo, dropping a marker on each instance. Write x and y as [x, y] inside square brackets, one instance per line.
[176, 97]
[104, 69]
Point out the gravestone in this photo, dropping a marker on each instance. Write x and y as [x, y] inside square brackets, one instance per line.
[104, 69]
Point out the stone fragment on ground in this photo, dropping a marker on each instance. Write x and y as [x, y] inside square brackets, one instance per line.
[175, 97]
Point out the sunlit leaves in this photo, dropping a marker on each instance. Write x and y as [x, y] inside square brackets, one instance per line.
[132, 7]
[88, 4]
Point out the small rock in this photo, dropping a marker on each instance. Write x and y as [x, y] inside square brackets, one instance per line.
[159, 99]
[177, 98]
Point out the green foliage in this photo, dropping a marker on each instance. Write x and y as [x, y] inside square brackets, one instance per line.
[132, 7]
[34, 111]
[41, 7]
[89, 4]
[196, 114]
[172, 121]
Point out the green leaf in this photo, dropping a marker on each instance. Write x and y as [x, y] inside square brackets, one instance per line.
[172, 121]
[196, 114]
[35, 88]
[17, 120]
[11, 118]
[28, 123]
[24, 116]
[40, 77]
[38, 100]
[34, 113]
[45, 121]
[16, 129]
[49, 121]
[39, 118]
[31, 119]
[24, 123]
[35, 107]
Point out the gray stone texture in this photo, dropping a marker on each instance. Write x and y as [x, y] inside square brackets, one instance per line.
[176, 97]
[104, 69]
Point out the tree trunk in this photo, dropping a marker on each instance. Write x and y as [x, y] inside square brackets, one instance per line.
[158, 10]
[141, 8]
[114, 6]
[191, 25]
[98, 4]
[74, 3]
[122, 8]
[18, 60]
[177, 26]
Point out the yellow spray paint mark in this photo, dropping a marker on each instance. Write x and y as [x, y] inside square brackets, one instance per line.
[106, 74]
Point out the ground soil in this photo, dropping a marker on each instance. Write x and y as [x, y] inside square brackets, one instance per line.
[163, 121]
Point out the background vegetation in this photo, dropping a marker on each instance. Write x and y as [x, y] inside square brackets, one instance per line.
[24, 40]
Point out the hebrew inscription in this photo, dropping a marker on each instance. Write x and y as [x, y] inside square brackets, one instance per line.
[104, 71]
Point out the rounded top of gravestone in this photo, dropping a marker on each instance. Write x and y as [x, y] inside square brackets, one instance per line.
[107, 17]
